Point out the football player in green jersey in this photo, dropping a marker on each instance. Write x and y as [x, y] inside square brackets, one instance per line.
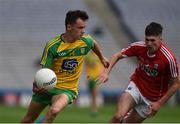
[65, 56]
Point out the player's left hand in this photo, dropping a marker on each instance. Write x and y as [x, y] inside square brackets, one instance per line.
[154, 108]
[102, 78]
[35, 89]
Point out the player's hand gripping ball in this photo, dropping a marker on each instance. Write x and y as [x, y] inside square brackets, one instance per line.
[45, 78]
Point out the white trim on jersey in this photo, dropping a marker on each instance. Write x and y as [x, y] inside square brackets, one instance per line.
[124, 49]
[139, 43]
[171, 61]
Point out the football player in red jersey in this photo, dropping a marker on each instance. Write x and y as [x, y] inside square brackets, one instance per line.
[154, 81]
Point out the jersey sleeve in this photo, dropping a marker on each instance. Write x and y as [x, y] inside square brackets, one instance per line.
[171, 63]
[131, 50]
[47, 57]
[172, 67]
[50, 52]
[88, 40]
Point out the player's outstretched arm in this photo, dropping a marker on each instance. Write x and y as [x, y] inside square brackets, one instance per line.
[105, 74]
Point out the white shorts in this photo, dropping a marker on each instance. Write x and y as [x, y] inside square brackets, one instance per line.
[142, 104]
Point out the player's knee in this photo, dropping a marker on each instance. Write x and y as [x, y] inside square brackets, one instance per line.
[53, 111]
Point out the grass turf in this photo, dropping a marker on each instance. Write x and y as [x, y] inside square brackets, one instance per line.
[82, 115]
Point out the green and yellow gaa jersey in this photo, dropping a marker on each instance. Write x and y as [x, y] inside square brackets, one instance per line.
[66, 60]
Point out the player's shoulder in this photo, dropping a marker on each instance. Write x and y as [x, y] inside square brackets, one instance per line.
[88, 40]
[53, 41]
[138, 44]
[167, 53]
[87, 36]
[169, 59]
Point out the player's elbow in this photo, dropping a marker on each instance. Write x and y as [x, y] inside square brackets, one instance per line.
[117, 56]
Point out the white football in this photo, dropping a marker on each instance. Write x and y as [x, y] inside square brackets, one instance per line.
[45, 78]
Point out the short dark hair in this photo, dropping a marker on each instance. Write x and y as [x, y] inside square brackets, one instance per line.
[73, 15]
[153, 29]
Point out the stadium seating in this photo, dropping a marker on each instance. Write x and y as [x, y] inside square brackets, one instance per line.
[137, 14]
[26, 26]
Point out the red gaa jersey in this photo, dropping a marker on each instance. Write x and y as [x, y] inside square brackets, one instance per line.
[154, 72]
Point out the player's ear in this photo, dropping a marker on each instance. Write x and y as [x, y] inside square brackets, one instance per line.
[160, 37]
[69, 27]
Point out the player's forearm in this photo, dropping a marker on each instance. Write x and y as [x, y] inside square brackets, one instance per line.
[173, 88]
[113, 61]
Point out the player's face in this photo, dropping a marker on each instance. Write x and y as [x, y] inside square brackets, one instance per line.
[152, 43]
[78, 29]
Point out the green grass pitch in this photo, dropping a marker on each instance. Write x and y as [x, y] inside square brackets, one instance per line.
[81, 115]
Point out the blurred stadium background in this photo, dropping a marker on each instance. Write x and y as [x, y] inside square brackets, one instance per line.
[26, 25]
